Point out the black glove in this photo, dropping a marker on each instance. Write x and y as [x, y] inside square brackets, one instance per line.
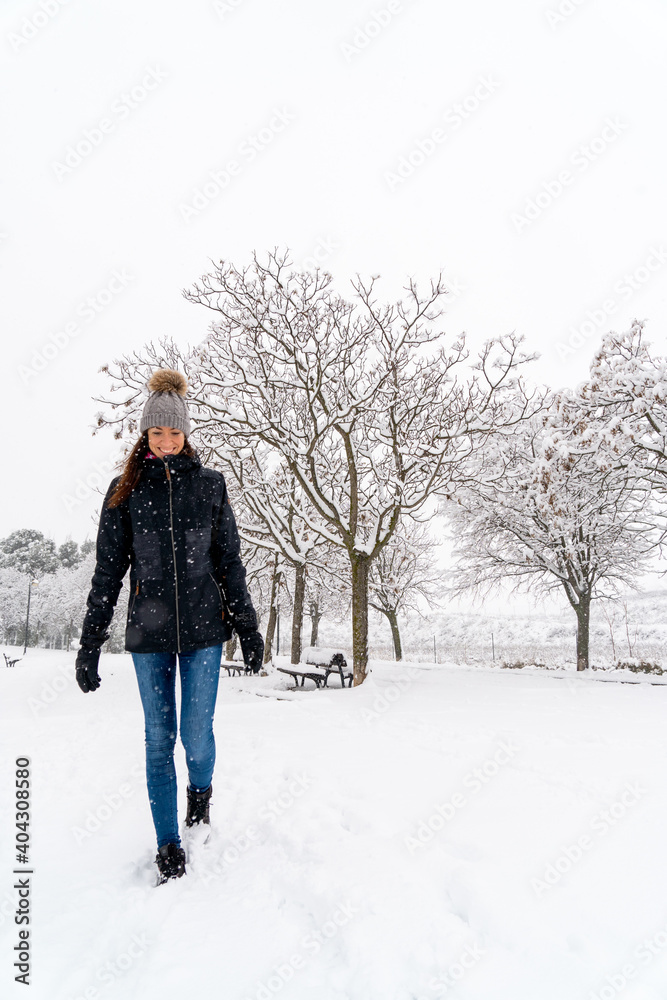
[252, 647]
[87, 676]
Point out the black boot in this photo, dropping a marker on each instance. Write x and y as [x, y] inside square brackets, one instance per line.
[170, 861]
[198, 807]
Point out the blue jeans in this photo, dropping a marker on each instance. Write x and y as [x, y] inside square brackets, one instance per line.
[156, 675]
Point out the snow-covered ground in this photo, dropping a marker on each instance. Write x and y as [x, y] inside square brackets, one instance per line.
[447, 831]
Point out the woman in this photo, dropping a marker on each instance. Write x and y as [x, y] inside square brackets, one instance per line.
[168, 518]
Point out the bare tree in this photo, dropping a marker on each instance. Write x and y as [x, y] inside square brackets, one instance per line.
[277, 576]
[550, 509]
[402, 574]
[275, 502]
[361, 400]
[315, 612]
[328, 590]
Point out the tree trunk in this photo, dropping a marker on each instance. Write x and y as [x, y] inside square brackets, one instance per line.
[297, 612]
[583, 612]
[315, 615]
[273, 612]
[360, 566]
[395, 634]
[230, 648]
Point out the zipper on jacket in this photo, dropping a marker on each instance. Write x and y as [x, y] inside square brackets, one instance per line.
[134, 597]
[222, 600]
[173, 552]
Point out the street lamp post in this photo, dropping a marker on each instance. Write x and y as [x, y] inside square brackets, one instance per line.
[33, 583]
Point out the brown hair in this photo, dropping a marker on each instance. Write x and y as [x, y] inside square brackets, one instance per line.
[133, 467]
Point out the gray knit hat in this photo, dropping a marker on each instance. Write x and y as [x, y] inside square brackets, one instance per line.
[166, 407]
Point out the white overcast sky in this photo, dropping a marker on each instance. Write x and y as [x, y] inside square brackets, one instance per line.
[554, 102]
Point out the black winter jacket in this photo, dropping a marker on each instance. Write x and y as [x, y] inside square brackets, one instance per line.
[177, 533]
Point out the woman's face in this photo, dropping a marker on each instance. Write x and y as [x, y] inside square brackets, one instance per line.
[165, 441]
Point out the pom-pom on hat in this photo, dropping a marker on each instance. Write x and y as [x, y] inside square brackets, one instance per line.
[166, 407]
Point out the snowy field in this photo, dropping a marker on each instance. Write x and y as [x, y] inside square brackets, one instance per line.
[515, 629]
[446, 831]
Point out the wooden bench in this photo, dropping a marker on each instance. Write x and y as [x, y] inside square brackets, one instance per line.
[10, 662]
[234, 667]
[337, 664]
[318, 678]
